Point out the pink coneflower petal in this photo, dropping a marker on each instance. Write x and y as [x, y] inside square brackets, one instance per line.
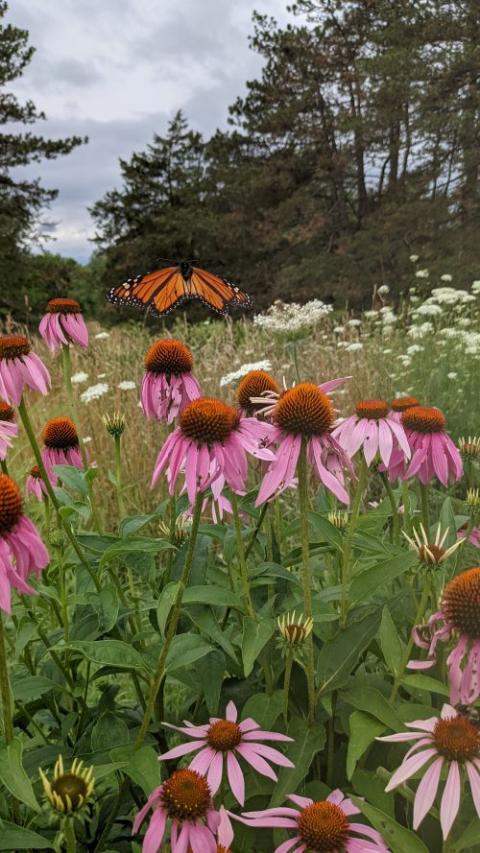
[451, 799]
[261, 735]
[385, 441]
[203, 760]
[235, 778]
[426, 792]
[303, 802]
[182, 749]
[409, 767]
[474, 779]
[258, 763]
[332, 384]
[271, 754]
[155, 832]
[287, 845]
[214, 775]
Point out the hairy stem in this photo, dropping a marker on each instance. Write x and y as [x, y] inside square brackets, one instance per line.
[242, 563]
[5, 690]
[348, 548]
[302, 473]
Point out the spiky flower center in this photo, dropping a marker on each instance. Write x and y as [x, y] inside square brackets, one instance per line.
[372, 409]
[14, 346]
[254, 384]
[7, 413]
[70, 786]
[63, 306]
[304, 410]
[457, 739]
[186, 795]
[10, 504]
[223, 735]
[431, 553]
[35, 472]
[169, 357]
[323, 827]
[469, 446]
[206, 420]
[401, 404]
[60, 434]
[424, 419]
[461, 603]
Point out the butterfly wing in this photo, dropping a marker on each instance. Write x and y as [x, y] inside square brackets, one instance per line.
[218, 293]
[141, 292]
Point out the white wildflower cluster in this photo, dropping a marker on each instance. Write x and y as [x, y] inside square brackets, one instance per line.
[476, 286]
[427, 309]
[243, 370]
[292, 317]
[127, 385]
[414, 258]
[79, 377]
[94, 392]
[420, 330]
[422, 273]
[450, 296]
[102, 336]
[383, 290]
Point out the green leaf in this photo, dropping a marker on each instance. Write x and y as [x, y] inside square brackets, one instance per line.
[108, 731]
[370, 700]
[264, 709]
[129, 546]
[307, 741]
[185, 650]
[13, 775]
[468, 838]
[426, 682]
[13, 837]
[107, 653]
[165, 604]
[206, 623]
[210, 672]
[398, 838]
[256, 635]
[325, 530]
[129, 526]
[73, 478]
[363, 729]
[142, 766]
[368, 582]
[338, 657]
[27, 688]
[391, 644]
[215, 596]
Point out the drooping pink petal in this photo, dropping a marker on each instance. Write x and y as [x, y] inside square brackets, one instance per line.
[409, 767]
[451, 799]
[426, 792]
[474, 779]
[235, 778]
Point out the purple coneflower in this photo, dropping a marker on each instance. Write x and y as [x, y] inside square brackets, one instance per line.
[305, 413]
[433, 452]
[63, 324]
[60, 445]
[324, 825]
[8, 428]
[211, 441]
[453, 742]
[168, 384]
[400, 405]
[256, 385]
[35, 485]
[220, 741]
[20, 368]
[458, 617]
[184, 799]
[21, 548]
[374, 429]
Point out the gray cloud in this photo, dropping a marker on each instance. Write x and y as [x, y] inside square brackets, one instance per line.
[117, 71]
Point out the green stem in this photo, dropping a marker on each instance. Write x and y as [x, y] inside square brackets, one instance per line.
[348, 549]
[286, 684]
[69, 835]
[393, 504]
[421, 608]
[407, 510]
[255, 533]
[5, 686]
[425, 509]
[172, 505]
[331, 744]
[302, 473]
[118, 475]
[242, 563]
[67, 378]
[3, 466]
[172, 623]
[27, 425]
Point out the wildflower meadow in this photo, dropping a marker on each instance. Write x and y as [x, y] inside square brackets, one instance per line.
[239, 580]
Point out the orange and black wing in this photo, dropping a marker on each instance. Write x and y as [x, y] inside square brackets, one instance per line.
[157, 291]
[218, 293]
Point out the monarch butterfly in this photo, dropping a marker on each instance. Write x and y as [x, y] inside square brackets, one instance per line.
[165, 289]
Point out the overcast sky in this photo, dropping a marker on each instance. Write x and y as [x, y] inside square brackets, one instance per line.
[116, 71]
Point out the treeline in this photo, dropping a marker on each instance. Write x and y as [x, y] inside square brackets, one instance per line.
[356, 148]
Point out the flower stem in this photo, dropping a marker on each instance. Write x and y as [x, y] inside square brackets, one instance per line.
[69, 835]
[172, 506]
[393, 504]
[255, 533]
[5, 686]
[286, 684]
[67, 378]
[172, 623]
[348, 549]
[3, 466]
[421, 608]
[425, 509]
[407, 510]
[118, 475]
[302, 473]
[27, 425]
[242, 563]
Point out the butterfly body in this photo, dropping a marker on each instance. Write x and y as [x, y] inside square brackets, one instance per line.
[165, 289]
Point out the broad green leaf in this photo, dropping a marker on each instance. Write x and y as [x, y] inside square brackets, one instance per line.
[256, 635]
[307, 741]
[363, 729]
[468, 839]
[368, 582]
[127, 546]
[206, 623]
[13, 775]
[325, 530]
[129, 526]
[73, 478]
[398, 838]
[210, 672]
[107, 653]
[215, 596]
[391, 644]
[370, 700]
[185, 650]
[165, 604]
[142, 766]
[27, 688]
[426, 682]
[265, 710]
[108, 731]
[337, 658]
[13, 837]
